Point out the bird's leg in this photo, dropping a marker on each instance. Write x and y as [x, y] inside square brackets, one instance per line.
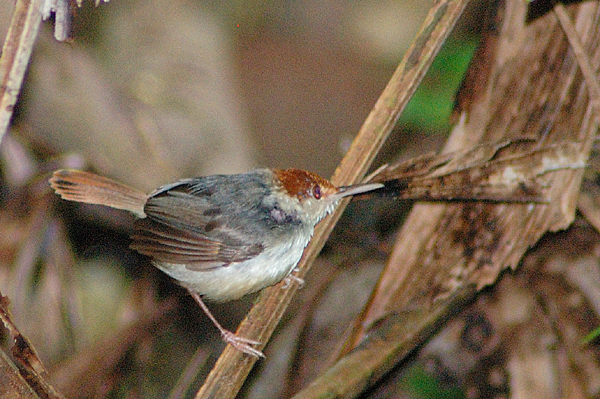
[239, 343]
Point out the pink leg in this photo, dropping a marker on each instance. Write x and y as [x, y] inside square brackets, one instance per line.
[239, 343]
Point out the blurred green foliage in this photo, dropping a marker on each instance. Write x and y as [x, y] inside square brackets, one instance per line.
[430, 108]
[424, 385]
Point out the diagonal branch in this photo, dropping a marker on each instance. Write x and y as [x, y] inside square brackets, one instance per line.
[232, 368]
[23, 30]
[533, 87]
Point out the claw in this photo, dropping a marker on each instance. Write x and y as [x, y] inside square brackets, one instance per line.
[242, 344]
[290, 277]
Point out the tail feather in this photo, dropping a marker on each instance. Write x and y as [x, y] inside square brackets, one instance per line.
[78, 186]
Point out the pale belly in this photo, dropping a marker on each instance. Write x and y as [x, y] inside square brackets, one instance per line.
[238, 279]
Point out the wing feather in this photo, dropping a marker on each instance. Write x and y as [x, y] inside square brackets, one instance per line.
[178, 229]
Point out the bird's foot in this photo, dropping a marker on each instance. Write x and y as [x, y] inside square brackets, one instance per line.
[242, 344]
[290, 277]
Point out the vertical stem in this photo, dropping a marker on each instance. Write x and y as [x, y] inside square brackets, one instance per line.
[16, 53]
[232, 368]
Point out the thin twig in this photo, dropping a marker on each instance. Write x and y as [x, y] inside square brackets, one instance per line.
[31, 367]
[16, 52]
[586, 203]
[587, 70]
[439, 242]
[232, 368]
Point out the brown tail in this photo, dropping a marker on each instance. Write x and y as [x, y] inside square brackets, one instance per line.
[74, 185]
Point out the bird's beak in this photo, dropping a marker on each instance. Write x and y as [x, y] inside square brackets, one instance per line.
[346, 191]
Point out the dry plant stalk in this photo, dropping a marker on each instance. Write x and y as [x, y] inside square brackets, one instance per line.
[502, 109]
[445, 252]
[232, 368]
[16, 52]
[504, 172]
[12, 383]
[532, 88]
[31, 368]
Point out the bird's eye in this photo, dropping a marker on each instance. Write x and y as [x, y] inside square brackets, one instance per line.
[316, 191]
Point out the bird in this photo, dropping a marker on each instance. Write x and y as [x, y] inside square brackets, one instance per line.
[221, 236]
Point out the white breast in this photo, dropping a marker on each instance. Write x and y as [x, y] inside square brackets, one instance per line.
[238, 279]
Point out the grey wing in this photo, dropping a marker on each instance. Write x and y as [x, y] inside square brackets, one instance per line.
[184, 228]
